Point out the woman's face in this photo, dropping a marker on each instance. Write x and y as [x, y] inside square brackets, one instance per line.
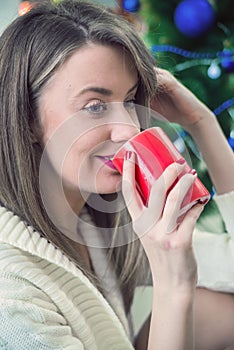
[87, 112]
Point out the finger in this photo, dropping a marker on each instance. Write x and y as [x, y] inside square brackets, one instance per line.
[160, 189]
[162, 185]
[174, 200]
[130, 193]
[164, 79]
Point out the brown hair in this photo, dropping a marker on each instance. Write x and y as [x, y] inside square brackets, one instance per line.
[32, 48]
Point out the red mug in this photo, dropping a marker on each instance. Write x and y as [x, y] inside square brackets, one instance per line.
[154, 152]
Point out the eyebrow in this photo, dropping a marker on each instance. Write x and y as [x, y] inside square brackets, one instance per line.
[104, 91]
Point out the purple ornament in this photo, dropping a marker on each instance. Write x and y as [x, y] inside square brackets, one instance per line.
[227, 61]
[194, 17]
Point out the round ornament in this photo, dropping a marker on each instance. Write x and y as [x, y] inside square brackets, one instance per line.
[194, 17]
[214, 71]
[227, 61]
[131, 5]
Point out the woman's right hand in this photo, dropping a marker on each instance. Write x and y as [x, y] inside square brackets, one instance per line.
[177, 103]
[168, 245]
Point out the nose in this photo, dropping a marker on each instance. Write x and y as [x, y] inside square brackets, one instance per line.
[123, 132]
[125, 126]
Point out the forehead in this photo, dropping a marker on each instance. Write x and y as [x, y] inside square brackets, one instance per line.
[99, 62]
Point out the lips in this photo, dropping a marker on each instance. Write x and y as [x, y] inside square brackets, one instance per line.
[107, 157]
[107, 160]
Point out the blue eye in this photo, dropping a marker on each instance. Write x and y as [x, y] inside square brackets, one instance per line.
[96, 107]
[130, 104]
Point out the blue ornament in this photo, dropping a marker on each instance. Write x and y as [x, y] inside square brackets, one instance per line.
[227, 60]
[194, 17]
[131, 5]
[231, 141]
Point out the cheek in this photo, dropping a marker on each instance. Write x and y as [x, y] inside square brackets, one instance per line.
[72, 151]
[79, 161]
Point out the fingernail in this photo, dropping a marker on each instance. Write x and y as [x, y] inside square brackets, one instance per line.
[193, 172]
[128, 155]
[181, 161]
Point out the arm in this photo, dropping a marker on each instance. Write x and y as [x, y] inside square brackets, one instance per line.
[219, 159]
[177, 104]
[171, 324]
[170, 255]
[214, 311]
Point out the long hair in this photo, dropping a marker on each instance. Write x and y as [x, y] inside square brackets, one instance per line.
[32, 48]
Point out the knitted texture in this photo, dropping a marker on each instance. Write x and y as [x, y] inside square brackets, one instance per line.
[47, 303]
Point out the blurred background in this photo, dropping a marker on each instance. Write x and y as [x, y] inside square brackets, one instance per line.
[9, 9]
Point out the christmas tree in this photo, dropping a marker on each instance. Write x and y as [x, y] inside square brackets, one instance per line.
[194, 39]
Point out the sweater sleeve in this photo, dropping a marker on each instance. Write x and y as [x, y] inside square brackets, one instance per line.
[215, 252]
[225, 204]
[28, 321]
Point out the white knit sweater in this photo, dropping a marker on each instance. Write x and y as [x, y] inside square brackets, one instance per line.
[47, 303]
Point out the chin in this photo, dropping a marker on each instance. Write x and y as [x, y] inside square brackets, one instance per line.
[110, 186]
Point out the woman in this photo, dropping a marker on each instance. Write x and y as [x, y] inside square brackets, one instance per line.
[71, 77]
